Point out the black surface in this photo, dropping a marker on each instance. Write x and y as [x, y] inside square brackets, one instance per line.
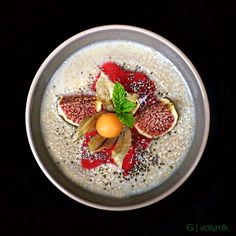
[203, 30]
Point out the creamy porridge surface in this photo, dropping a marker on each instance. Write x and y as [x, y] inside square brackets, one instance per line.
[76, 75]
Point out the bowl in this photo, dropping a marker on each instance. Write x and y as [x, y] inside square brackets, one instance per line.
[43, 76]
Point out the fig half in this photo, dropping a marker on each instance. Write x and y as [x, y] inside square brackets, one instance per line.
[157, 119]
[73, 109]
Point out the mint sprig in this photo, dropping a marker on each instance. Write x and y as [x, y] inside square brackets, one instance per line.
[127, 119]
[122, 105]
[128, 106]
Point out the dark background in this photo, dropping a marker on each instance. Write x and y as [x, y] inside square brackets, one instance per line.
[203, 30]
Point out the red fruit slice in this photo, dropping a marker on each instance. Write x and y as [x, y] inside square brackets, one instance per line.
[157, 119]
[73, 109]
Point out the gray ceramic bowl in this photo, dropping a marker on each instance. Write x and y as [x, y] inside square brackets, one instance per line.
[57, 57]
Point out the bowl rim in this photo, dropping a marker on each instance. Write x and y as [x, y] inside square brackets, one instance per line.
[141, 31]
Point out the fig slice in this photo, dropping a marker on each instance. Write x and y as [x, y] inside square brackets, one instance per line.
[73, 109]
[95, 142]
[107, 144]
[123, 145]
[104, 90]
[87, 125]
[157, 119]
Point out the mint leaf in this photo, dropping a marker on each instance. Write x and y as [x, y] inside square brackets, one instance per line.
[122, 105]
[118, 96]
[127, 119]
[127, 106]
